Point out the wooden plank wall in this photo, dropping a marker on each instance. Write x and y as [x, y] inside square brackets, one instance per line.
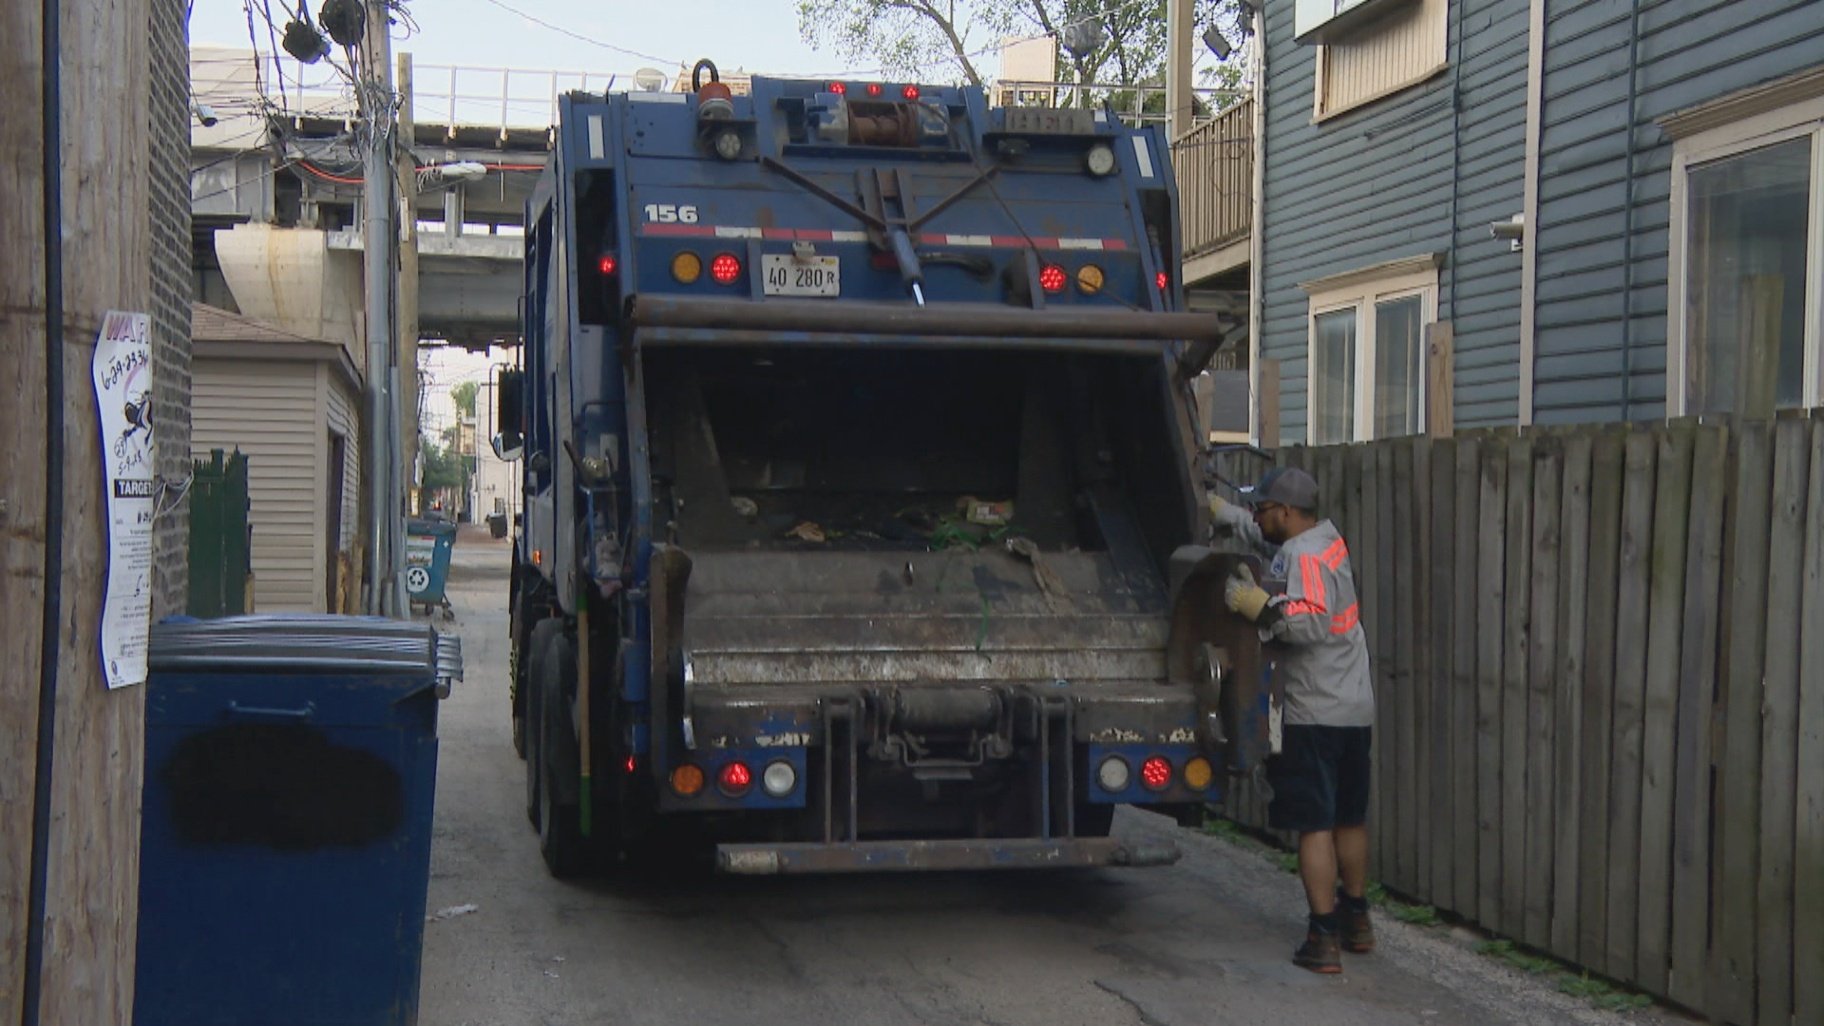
[1600, 729]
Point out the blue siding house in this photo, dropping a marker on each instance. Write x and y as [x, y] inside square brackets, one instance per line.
[1550, 211]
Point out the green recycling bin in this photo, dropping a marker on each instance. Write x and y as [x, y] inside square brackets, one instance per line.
[427, 561]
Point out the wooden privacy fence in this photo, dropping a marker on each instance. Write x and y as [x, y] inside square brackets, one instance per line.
[221, 553]
[1599, 659]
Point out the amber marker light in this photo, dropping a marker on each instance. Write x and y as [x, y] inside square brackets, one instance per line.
[1089, 279]
[687, 780]
[1198, 774]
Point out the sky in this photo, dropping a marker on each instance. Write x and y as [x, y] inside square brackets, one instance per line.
[745, 35]
[750, 35]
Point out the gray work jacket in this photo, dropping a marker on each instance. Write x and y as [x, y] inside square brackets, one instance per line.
[1319, 648]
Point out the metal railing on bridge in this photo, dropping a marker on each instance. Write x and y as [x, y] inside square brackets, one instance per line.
[446, 95]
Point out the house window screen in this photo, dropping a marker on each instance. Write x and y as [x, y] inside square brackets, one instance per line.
[1333, 377]
[1747, 273]
[1397, 346]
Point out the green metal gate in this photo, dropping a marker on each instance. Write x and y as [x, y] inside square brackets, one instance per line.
[221, 539]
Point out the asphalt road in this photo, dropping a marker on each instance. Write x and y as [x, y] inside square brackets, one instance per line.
[1203, 942]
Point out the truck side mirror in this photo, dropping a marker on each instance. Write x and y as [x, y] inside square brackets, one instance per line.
[509, 400]
[508, 446]
[509, 411]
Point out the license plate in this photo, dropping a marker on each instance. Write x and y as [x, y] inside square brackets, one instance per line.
[799, 276]
[1050, 121]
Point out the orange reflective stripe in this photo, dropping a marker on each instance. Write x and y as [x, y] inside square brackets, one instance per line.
[1334, 555]
[1343, 621]
[1314, 580]
[1299, 607]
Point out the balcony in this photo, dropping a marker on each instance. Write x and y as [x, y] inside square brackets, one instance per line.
[1214, 164]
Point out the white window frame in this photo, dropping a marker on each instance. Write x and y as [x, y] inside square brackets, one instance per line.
[1362, 290]
[1794, 121]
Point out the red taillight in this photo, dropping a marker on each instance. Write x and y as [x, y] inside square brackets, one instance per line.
[874, 89]
[909, 92]
[1052, 278]
[1162, 280]
[632, 764]
[839, 88]
[725, 268]
[1156, 773]
[735, 777]
[607, 264]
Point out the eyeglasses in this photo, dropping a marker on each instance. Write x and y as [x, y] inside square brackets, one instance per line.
[1264, 508]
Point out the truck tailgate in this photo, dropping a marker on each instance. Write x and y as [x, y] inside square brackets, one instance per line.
[898, 618]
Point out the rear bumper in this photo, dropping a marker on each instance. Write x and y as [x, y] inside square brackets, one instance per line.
[912, 856]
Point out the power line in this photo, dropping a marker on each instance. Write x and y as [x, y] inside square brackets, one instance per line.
[580, 37]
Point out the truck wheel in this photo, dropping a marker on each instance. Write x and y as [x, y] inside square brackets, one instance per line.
[560, 836]
[537, 647]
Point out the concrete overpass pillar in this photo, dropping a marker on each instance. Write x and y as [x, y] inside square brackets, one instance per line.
[291, 278]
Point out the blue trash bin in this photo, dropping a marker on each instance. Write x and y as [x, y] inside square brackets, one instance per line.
[285, 847]
[427, 561]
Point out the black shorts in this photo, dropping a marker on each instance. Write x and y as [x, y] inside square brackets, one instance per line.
[1319, 778]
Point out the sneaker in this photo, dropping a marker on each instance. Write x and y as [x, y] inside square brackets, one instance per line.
[1357, 931]
[1321, 952]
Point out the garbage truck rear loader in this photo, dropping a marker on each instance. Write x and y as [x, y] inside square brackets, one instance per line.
[859, 528]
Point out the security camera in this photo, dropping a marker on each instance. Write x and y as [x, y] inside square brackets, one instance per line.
[1513, 230]
[205, 114]
[1218, 44]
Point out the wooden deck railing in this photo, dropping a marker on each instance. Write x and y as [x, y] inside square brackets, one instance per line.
[1214, 163]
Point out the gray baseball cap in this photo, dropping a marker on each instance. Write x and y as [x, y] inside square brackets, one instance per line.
[1288, 486]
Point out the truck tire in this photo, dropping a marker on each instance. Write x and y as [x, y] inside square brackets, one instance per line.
[537, 646]
[560, 835]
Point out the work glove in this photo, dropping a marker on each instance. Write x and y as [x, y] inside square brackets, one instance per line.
[1217, 505]
[1242, 595]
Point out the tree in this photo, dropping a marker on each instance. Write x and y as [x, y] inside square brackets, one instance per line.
[443, 467]
[463, 395]
[927, 39]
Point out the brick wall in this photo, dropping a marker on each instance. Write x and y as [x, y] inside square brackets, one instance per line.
[171, 291]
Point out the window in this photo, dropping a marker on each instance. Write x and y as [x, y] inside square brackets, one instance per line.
[1399, 47]
[1748, 261]
[1367, 333]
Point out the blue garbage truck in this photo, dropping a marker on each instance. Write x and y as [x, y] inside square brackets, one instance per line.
[860, 527]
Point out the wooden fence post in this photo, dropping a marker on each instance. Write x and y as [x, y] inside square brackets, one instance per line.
[1513, 685]
[1267, 380]
[1659, 724]
[1692, 824]
[1491, 610]
[1567, 689]
[1738, 839]
[1440, 379]
[1779, 707]
[1808, 831]
[1606, 462]
[1542, 664]
[1464, 690]
[1630, 696]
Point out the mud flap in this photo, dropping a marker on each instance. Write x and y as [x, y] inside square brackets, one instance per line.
[1219, 656]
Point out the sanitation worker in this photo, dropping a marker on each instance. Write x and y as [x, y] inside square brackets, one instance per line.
[1308, 618]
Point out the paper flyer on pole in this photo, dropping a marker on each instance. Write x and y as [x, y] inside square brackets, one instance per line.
[123, 396]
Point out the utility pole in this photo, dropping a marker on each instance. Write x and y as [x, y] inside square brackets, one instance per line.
[1180, 23]
[406, 312]
[385, 592]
